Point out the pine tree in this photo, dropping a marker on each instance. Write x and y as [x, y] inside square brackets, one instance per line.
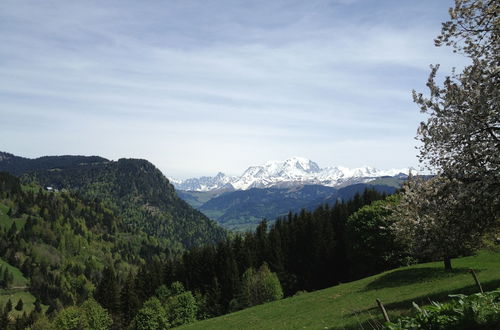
[3, 283]
[19, 305]
[4, 318]
[12, 230]
[107, 292]
[8, 306]
[38, 306]
[129, 300]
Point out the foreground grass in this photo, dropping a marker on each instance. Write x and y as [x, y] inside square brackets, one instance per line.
[352, 305]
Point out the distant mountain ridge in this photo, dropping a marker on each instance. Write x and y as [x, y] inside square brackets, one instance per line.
[20, 165]
[295, 171]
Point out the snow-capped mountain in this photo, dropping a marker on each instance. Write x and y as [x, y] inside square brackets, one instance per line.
[204, 183]
[293, 171]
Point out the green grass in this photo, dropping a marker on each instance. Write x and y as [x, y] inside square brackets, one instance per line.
[6, 221]
[352, 305]
[4, 218]
[14, 295]
[19, 279]
[17, 290]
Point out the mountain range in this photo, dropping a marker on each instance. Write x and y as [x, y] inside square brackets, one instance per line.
[295, 171]
[275, 188]
[139, 193]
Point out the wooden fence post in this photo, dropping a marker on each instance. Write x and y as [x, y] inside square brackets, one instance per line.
[476, 279]
[384, 312]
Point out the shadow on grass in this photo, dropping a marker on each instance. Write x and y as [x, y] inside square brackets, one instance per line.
[441, 296]
[409, 276]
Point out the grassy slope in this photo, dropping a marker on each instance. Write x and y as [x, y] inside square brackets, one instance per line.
[353, 304]
[6, 221]
[19, 279]
[18, 290]
[20, 283]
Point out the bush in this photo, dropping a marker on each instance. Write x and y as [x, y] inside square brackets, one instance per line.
[477, 311]
[259, 287]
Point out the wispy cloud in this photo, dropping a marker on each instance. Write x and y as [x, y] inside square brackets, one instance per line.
[199, 86]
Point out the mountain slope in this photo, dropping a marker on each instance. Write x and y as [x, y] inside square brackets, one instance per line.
[62, 243]
[134, 189]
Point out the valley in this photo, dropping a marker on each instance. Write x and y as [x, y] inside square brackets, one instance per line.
[277, 188]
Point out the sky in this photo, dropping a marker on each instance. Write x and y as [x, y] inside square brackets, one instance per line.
[199, 86]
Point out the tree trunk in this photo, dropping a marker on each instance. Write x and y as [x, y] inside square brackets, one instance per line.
[447, 263]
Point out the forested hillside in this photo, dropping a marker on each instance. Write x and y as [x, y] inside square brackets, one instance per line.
[134, 189]
[62, 243]
[72, 249]
[20, 165]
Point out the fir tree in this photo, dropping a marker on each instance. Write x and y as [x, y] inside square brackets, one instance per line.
[20, 305]
[38, 306]
[107, 292]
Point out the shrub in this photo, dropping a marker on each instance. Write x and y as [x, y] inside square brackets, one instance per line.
[477, 311]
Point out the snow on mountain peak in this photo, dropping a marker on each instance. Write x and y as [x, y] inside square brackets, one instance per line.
[294, 170]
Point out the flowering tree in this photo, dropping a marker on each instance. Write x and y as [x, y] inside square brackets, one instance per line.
[460, 139]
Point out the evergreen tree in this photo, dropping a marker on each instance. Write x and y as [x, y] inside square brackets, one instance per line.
[22, 322]
[4, 318]
[129, 300]
[19, 305]
[38, 306]
[3, 283]
[213, 298]
[107, 292]
[12, 230]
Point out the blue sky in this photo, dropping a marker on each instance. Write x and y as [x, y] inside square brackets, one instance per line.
[198, 87]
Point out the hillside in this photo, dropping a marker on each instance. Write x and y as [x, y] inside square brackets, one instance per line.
[57, 244]
[352, 305]
[133, 188]
[17, 290]
[244, 209]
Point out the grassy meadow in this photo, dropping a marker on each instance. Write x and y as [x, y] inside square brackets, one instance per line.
[353, 305]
